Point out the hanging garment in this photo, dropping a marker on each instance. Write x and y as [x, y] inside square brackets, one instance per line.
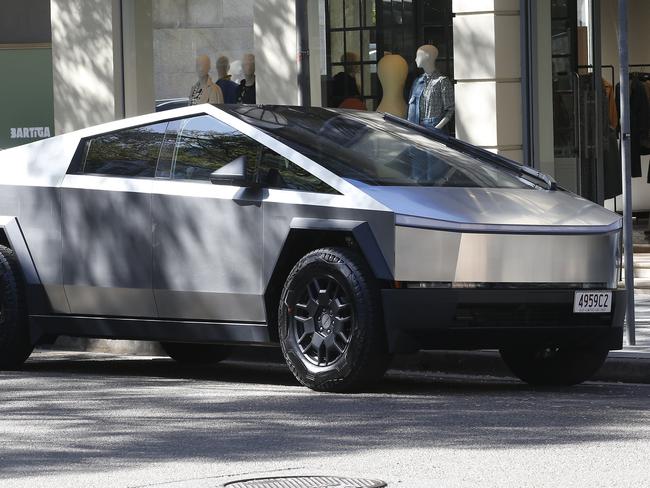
[229, 89]
[341, 87]
[246, 93]
[612, 157]
[645, 137]
[208, 93]
[639, 120]
[612, 111]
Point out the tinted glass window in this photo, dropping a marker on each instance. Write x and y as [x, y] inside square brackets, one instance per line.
[129, 152]
[362, 147]
[278, 172]
[205, 145]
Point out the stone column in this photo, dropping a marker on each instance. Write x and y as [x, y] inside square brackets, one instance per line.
[488, 74]
[86, 41]
[276, 51]
[137, 35]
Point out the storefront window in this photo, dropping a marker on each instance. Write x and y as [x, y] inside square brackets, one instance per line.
[351, 52]
[360, 32]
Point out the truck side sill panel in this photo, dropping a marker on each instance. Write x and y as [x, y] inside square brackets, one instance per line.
[147, 329]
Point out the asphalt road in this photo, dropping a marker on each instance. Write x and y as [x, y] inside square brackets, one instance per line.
[87, 420]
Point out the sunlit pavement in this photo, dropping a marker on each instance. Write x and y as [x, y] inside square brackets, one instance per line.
[91, 420]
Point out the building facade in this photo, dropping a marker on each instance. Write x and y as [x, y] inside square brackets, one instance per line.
[528, 75]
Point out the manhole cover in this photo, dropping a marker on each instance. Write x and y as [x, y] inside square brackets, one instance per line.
[307, 482]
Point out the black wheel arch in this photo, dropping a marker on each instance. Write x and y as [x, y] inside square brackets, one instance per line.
[305, 236]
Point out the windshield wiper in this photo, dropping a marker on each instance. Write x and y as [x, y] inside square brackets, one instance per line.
[477, 152]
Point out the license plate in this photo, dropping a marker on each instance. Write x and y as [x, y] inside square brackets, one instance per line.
[592, 302]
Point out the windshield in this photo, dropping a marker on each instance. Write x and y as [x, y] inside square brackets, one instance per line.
[364, 148]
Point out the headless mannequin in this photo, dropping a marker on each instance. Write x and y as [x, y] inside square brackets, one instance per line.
[392, 71]
[432, 96]
[246, 92]
[228, 87]
[204, 90]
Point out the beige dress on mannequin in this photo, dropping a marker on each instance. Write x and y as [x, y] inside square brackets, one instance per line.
[392, 71]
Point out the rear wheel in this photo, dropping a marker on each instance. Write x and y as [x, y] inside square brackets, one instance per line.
[330, 325]
[15, 346]
[196, 353]
[554, 366]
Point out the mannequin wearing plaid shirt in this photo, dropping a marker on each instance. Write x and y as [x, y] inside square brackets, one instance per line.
[431, 102]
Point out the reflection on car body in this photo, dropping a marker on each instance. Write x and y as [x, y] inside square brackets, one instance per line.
[345, 237]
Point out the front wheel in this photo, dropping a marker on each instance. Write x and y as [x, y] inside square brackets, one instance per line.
[554, 366]
[330, 325]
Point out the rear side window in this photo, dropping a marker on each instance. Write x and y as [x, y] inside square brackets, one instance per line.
[130, 152]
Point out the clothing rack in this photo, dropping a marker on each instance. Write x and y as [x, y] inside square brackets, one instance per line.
[647, 75]
[602, 66]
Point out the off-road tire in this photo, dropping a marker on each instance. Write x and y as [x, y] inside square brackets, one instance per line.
[186, 353]
[554, 366]
[365, 357]
[15, 346]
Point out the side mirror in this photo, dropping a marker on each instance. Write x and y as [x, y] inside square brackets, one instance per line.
[233, 173]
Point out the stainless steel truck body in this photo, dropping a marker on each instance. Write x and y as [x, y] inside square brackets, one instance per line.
[344, 236]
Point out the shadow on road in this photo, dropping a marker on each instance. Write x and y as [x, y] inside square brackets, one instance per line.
[73, 412]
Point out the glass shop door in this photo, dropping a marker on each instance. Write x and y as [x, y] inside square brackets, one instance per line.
[584, 140]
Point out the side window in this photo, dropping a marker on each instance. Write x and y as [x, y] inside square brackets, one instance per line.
[206, 144]
[278, 172]
[130, 152]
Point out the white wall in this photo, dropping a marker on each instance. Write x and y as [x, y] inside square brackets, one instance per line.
[138, 57]
[87, 84]
[488, 75]
[276, 51]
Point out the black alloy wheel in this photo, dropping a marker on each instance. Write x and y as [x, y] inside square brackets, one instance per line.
[322, 321]
[330, 324]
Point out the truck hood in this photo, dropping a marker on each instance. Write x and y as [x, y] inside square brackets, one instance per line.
[495, 209]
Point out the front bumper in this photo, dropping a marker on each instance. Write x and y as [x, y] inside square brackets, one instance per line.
[417, 319]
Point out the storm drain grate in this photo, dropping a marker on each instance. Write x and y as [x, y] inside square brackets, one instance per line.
[307, 482]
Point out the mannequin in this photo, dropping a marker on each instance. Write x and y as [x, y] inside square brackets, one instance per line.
[246, 91]
[431, 102]
[343, 87]
[204, 90]
[228, 87]
[392, 71]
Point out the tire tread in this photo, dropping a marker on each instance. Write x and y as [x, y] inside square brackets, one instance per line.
[15, 345]
[372, 361]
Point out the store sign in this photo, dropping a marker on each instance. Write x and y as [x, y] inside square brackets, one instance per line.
[29, 132]
[26, 98]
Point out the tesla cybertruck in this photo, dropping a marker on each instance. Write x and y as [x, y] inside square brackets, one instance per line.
[345, 237]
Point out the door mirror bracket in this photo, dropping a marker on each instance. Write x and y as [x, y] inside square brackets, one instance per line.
[233, 173]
